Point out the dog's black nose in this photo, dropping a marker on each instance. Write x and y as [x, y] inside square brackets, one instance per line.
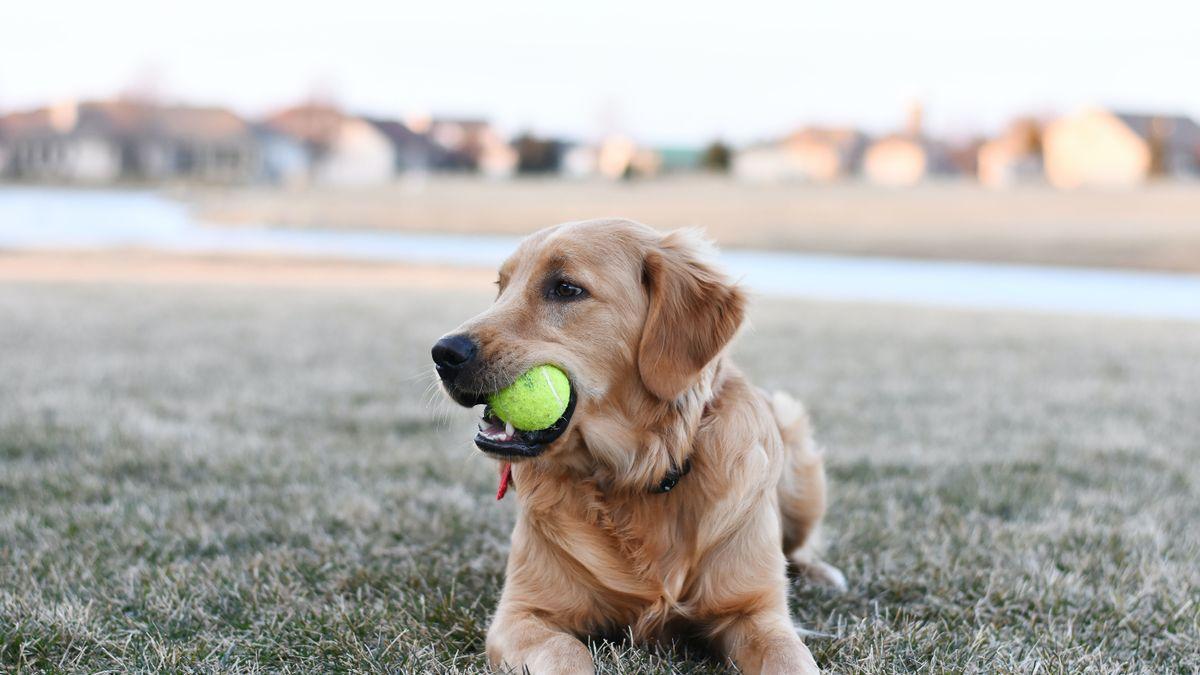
[453, 352]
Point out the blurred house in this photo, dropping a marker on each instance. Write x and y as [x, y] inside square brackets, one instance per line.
[907, 158]
[615, 157]
[67, 142]
[413, 152]
[1105, 148]
[1014, 157]
[103, 141]
[902, 160]
[963, 154]
[811, 154]
[199, 144]
[284, 160]
[620, 157]
[766, 162]
[343, 150]
[681, 159]
[580, 161]
[470, 145]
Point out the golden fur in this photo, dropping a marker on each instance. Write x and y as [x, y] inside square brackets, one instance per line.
[595, 551]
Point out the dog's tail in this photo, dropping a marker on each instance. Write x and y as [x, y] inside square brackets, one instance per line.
[794, 425]
[802, 493]
[802, 485]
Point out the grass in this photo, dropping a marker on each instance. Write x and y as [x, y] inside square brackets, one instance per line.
[256, 479]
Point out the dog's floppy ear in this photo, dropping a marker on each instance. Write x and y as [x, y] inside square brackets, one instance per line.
[694, 312]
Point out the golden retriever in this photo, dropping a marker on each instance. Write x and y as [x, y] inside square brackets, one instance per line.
[670, 497]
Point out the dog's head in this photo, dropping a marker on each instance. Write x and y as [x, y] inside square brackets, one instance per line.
[632, 316]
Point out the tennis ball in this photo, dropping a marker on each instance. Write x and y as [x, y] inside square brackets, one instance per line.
[535, 401]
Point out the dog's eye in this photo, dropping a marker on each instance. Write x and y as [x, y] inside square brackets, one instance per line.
[565, 289]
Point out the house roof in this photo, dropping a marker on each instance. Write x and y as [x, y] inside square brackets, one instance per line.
[122, 119]
[1176, 130]
[839, 136]
[1022, 136]
[315, 124]
[473, 123]
[117, 118]
[847, 139]
[201, 123]
[106, 117]
[25, 122]
[923, 142]
[399, 134]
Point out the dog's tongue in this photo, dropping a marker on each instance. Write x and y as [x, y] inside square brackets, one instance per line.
[505, 479]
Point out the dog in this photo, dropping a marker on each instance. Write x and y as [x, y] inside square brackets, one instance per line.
[670, 498]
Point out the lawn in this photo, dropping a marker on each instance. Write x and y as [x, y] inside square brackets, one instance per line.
[251, 478]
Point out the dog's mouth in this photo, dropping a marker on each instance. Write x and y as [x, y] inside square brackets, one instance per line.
[500, 439]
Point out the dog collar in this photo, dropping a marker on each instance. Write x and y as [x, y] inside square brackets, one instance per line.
[669, 481]
[667, 484]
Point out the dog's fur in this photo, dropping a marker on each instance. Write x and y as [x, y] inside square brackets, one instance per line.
[596, 550]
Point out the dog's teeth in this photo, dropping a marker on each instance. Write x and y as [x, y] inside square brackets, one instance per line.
[508, 429]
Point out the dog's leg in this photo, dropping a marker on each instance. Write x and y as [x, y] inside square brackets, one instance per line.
[519, 641]
[802, 494]
[766, 643]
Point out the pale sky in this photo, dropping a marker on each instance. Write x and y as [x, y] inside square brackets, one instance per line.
[664, 72]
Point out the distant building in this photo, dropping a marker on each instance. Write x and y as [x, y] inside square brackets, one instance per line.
[1014, 157]
[812, 154]
[343, 150]
[199, 144]
[963, 154]
[907, 158]
[903, 160]
[1104, 148]
[767, 162]
[681, 159]
[103, 141]
[284, 160]
[68, 142]
[580, 161]
[359, 155]
[615, 157]
[413, 152]
[469, 144]
[619, 156]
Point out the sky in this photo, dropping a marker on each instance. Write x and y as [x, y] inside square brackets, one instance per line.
[663, 72]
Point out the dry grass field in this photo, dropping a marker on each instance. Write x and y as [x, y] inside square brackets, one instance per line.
[1156, 227]
[254, 478]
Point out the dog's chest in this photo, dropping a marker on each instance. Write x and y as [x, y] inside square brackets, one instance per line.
[638, 551]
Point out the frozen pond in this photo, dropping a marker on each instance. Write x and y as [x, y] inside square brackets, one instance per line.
[49, 218]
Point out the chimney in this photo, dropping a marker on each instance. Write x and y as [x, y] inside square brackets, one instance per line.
[913, 121]
[64, 115]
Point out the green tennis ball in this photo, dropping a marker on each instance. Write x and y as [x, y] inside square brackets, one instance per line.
[535, 401]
